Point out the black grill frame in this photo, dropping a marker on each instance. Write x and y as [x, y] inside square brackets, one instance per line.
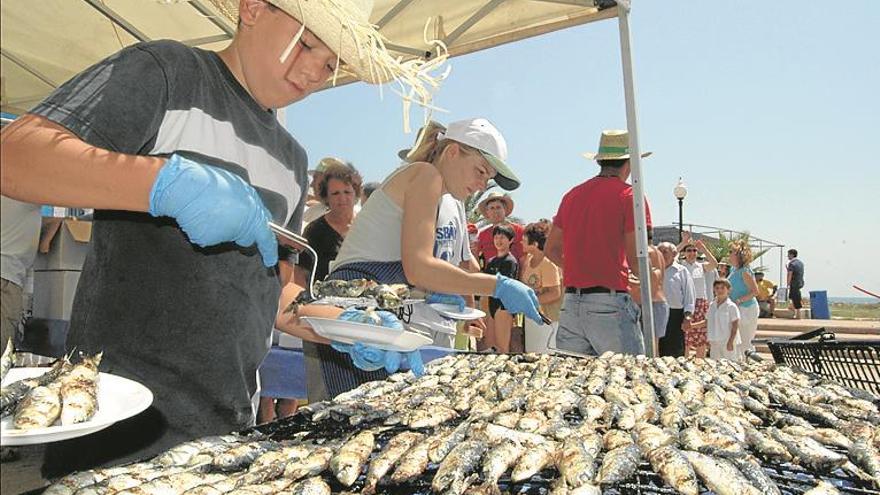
[854, 363]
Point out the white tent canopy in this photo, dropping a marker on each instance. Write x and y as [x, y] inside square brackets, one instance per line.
[44, 43]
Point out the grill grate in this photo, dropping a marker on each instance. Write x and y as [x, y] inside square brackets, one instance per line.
[853, 363]
[791, 479]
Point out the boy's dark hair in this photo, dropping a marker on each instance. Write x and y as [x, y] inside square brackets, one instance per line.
[793, 252]
[536, 234]
[759, 273]
[505, 230]
[612, 163]
[722, 281]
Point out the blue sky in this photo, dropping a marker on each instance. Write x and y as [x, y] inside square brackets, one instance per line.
[768, 111]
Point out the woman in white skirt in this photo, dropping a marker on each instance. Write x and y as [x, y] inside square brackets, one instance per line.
[743, 292]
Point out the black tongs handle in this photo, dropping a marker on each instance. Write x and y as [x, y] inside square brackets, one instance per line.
[545, 319]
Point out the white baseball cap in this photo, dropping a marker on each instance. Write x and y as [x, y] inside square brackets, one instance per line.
[482, 135]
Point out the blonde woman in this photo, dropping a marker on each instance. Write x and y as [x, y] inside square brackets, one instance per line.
[742, 292]
[392, 239]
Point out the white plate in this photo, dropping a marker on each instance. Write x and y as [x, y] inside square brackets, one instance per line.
[451, 311]
[358, 302]
[118, 398]
[349, 332]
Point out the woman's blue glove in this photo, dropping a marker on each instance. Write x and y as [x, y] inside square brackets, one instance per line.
[362, 356]
[369, 358]
[517, 297]
[453, 299]
[386, 318]
[413, 360]
[213, 206]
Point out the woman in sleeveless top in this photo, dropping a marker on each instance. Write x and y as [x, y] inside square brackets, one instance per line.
[742, 292]
[392, 239]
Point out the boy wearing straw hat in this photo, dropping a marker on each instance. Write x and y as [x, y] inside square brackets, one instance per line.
[593, 242]
[179, 151]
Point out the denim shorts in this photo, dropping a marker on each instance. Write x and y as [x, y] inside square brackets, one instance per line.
[661, 318]
[593, 324]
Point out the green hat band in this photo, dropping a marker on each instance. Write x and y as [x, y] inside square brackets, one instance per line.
[614, 149]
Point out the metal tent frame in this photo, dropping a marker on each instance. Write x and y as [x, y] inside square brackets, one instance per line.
[632, 124]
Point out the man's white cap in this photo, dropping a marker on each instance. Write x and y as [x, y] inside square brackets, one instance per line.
[482, 135]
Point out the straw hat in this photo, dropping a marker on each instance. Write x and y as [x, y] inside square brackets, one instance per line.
[344, 26]
[495, 196]
[613, 145]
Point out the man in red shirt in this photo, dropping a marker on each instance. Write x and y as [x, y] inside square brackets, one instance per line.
[593, 241]
[495, 208]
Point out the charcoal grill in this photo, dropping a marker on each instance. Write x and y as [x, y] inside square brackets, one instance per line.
[854, 363]
[791, 479]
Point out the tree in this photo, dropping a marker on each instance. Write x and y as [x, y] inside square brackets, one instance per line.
[720, 249]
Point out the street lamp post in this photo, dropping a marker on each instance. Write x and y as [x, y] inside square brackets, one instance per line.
[680, 192]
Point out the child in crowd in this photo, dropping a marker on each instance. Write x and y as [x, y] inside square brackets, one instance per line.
[722, 320]
[539, 273]
[498, 331]
[542, 275]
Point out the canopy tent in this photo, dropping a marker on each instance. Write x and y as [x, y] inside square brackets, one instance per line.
[44, 43]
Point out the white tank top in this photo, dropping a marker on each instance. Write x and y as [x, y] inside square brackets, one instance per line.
[375, 234]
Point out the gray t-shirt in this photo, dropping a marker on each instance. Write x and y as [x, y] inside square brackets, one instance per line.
[796, 267]
[19, 236]
[192, 324]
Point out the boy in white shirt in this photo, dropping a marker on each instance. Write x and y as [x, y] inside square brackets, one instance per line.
[723, 323]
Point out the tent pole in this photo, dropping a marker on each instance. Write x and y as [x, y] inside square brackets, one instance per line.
[632, 125]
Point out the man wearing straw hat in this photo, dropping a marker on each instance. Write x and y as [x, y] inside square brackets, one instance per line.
[593, 242]
[179, 151]
[495, 208]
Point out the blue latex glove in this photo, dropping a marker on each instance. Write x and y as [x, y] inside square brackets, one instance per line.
[369, 358]
[362, 356]
[387, 318]
[452, 299]
[213, 206]
[517, 297]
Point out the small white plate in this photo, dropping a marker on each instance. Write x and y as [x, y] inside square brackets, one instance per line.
[118, 398]
[451, 311]
[349, 332]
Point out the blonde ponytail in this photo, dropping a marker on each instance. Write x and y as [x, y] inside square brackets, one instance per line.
[427, 145]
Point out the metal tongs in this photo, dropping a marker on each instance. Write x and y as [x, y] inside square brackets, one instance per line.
[299, 244]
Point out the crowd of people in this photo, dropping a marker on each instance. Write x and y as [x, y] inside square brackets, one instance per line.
[587, 281]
